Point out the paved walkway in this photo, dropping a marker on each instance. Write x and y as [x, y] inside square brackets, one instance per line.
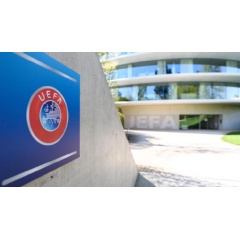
[184, 158]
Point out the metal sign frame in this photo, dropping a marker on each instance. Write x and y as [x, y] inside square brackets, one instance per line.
[29, 147]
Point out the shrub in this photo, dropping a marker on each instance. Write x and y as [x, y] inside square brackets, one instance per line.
[121, 116]
[119, 109]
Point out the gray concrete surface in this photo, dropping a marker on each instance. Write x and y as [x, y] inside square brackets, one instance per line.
[185, 158]
[153, 177]
[105, 155]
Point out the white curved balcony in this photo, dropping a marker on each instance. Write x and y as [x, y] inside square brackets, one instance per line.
[180, 102]
[190, 77]
[150, 56]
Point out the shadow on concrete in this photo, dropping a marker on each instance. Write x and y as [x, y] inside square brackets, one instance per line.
[201, 150]
[141, 141]
[155, 178]
[190, 131]
[138, 141]
[143, 182]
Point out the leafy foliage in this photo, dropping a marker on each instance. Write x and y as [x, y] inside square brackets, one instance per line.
[109, 72]
[122, 117]
[108, 66]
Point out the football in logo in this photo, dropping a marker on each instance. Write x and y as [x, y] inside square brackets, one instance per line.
[47, 115]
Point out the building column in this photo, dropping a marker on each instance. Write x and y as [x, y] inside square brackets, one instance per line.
[232, 66]
[161, 67]
[186, 66]
[129, 70]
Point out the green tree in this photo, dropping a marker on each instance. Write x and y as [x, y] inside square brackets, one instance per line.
[141, 92]
[109, 69]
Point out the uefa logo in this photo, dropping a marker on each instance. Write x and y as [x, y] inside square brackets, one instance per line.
[47, 115]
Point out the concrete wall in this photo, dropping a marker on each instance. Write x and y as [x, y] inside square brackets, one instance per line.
[166, 117]
[105, 156]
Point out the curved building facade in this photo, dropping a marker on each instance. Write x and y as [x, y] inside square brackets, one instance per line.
[182, 90]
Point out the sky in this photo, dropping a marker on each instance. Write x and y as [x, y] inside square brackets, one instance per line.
[135, 27]
[120, 26]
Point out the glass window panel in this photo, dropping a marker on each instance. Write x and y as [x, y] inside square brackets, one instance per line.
[151, 95]
[135, 93]
[231, 66]
[144, 69]
[209, 65]
[173, 66]
[165, 92]
[157, 91]
[151, 68]
[219, 91]
[202, 90]
[125, 93]
[218, 65]
[188, 91]
[189, 122]
[162, 92]
[142, 90]
[199, 121]
[186, 66]
[125, 53]
[232, 91]
[205, 90]
[121, 72]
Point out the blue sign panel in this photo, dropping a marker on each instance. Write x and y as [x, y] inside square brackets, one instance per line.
[39, 116]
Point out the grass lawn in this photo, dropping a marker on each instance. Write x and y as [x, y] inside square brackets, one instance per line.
[232, 138]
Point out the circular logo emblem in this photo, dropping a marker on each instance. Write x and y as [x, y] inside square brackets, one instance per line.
[47, 115]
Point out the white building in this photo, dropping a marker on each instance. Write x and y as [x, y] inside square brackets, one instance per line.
[182, 90]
